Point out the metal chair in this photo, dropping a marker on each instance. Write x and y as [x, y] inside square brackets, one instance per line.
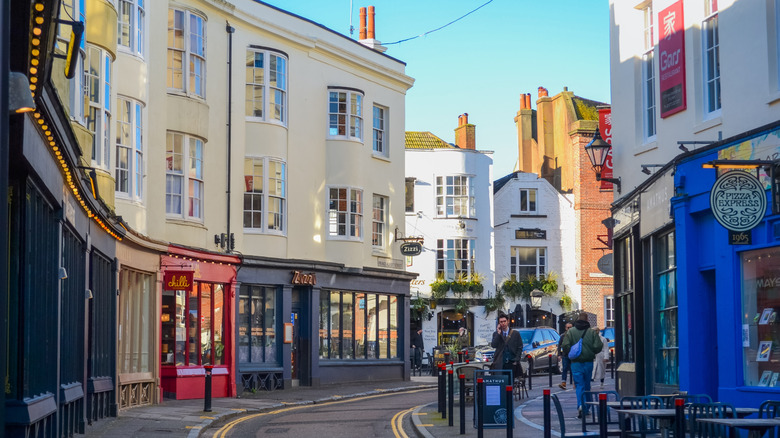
[562, 422]
[640, 426]
[709, 410]
[688, 399]
[770, 409]
[592, 418]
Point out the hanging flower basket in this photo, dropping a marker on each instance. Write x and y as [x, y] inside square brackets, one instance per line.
[439, 288]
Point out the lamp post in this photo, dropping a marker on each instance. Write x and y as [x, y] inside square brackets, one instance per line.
[597, 151]
[536, 299]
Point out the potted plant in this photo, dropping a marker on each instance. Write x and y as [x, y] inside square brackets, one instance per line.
[439, 288]
[419, 306]
[461, 306]
[460, 285]
[494, 303]
[475, 285]
[566, 302]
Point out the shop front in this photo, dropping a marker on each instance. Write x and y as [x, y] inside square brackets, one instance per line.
[312, 324]
[196, 323]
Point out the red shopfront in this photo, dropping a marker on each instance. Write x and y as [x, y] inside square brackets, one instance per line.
[197, 323]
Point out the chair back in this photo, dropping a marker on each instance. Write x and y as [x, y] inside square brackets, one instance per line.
[592, 419]
[559, 410]
[640, 424]
[688, 399]
[769, 409]
[709, 410]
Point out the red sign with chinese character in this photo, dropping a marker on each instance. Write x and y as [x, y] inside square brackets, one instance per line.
[178, 280]
[605, 129]
[671, 46]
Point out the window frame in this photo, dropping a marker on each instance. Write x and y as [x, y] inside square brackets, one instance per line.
[269, 342]
[195, 295]
[379, 134]
[379, 225]
[77, 85]
[609, 311]
[187, 54]
[442, 183]
[409, 183]
[525, 207]
[348, 344]
[711, 87]
[267, 86]
[353, 113]
[136, 27]
[100, 127]
[540, 264]
[135, 169]
[354, 218]
[449, 264]
[266, 196]
[185, 195]
[649, 103]
[665, 269]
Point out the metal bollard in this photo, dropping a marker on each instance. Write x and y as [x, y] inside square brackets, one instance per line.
[612, 362]
[547, 419]
[549, 368]
[462, 378]
[460, 356]
[603, 414]
[451, 397]
[509, 411]
[679, 417]
[478, 400]
[530, 373]
[442, 383]
[207, 392]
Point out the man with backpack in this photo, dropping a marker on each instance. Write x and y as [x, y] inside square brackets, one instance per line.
[583, 344]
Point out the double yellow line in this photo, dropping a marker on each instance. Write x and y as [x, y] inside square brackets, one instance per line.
[224, 430]
[398, 423]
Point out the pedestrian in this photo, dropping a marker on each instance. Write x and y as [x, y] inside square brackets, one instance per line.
[508, 345]
[600, 362]
[565, 362]
[418, 346]
[462, 341]
[582, 365]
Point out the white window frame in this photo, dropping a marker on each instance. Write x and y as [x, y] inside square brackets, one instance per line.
[190, 85]
[609, 311]
[136, 27]
[529, 207]
[345, 111]
[379, 138]
[273, 83]
[379, 225]
[130, 141]
[97, 104]
[187, 176]
[273, 188]
[77, 85]
[352, 213]
[540, 263]
[649, 104]
[711, 49]
[455, 258]
[446, 188]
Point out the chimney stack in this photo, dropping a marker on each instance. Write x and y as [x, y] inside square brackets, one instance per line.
[362, 23]
[465, 133]
[370, 22]
[542, 92]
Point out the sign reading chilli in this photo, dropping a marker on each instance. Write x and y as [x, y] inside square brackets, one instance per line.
[671, 67]
[738, 201]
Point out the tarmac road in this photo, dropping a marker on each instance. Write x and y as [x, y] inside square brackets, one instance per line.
[378, 415]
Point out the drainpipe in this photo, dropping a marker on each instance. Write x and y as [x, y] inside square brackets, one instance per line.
[230, 30]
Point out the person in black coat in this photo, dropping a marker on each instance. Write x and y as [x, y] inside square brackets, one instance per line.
[508, 345]
[418, 345]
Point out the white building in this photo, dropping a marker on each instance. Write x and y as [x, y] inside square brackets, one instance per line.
[450, 205]
[535, 234]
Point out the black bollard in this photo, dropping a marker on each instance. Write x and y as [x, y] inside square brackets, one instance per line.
[451, 397]
[679, 417]
[612, 362]
[462, 378]
[509, 411]
[442, 383]
[547, 420]
[478, 401]
[530, 373]
[207, 393]
[603, 414]
[460, 356]
[549, 368]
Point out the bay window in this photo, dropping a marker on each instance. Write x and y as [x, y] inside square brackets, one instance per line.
[264, 194]
[455, 258]
[266, 85]
[97, 104]
[186, 53]
[184, 184]
[130, 26]
[455, 196]
[345, 114]
[345, 213]
[128, 168]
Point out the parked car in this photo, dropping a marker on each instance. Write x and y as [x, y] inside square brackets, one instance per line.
[538, 344]
[609, 334]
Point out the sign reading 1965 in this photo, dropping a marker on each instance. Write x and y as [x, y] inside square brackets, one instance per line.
[738, 201]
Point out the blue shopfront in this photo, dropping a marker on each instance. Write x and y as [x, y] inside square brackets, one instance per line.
[727, 282]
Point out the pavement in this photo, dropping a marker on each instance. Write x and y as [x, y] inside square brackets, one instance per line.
[186, 418]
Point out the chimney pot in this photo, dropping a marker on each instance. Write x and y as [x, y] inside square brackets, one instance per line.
[371, 32]
[522, 101]
[527, 98]
[362, 23]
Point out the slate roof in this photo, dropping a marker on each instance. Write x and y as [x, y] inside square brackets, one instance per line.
[425, 140]
[501, 182]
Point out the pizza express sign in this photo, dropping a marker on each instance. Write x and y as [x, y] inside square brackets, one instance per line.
[738, 201]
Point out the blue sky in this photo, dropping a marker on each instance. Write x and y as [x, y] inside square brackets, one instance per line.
[481, 64]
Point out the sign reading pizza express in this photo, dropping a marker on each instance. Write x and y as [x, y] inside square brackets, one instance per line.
[738, 201]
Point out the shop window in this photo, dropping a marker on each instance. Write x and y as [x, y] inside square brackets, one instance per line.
[257, 341]
[455, 196]
[136, 306]
[665, 286]
[624, 292]
[760, 322]
[357, 325]
[526, 262]
[455, 258]
[193, 325]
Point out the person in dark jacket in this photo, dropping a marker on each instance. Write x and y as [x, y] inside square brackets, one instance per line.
[508, 345]
[582, 365]
[565, 362]
[419, 347]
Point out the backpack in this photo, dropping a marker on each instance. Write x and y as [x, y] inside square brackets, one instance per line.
[576, 349]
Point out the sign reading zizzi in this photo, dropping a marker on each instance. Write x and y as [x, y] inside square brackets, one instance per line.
[671, 46]
[738, 201]
[177, 280]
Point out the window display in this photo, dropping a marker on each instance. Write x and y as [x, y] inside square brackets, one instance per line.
[193, 325]
[760, 327]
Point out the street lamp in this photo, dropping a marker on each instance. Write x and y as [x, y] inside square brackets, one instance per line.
[536, 298]
[597, 151]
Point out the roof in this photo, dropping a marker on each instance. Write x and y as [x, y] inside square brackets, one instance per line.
[586, 109]
[501, 182]
[425, 140]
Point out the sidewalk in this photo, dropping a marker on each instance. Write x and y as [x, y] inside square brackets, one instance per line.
[186, 418]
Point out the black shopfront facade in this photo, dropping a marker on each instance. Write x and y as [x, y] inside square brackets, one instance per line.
[317, 323]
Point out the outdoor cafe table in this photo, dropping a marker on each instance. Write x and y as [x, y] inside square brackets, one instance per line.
[755, 426]
[665, 417]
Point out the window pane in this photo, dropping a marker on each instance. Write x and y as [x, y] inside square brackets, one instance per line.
[372, 327]
[360, 325]
[382, 320]
[347, 316]
[324, 325]
[193, 332]
[760, 304]
[206, 347]
[335, 325]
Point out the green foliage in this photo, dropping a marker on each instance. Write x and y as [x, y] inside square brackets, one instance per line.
[439, 288]
[461, 306]
[494, 303]
[566, 302]
[515, 289]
